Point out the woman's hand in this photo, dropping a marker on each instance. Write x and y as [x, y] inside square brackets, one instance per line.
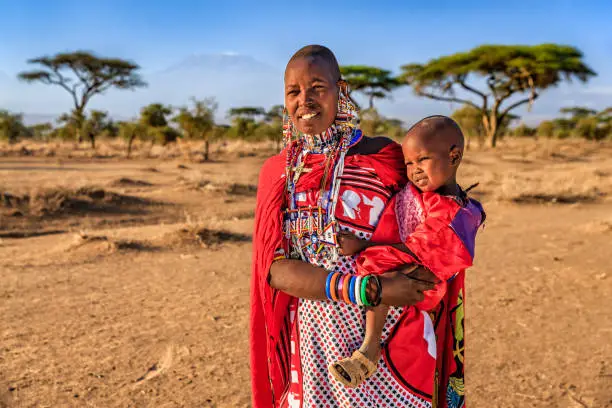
[405, 287]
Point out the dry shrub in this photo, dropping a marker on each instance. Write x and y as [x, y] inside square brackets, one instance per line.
[580, 186]
[63, 200]
[199, 181]
[249, 190]
[101, 244]
[128, 182]
[197, 235]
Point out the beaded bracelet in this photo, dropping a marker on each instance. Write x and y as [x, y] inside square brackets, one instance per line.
[352, 289]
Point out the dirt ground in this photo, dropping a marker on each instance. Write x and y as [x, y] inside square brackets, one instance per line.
[124, 283]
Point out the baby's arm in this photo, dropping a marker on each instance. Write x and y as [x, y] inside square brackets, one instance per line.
[350, 244]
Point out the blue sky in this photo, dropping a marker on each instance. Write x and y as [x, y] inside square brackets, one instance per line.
[160, 34]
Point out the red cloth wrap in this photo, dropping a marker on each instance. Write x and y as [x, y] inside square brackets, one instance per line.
[435, 244]
[269, 307]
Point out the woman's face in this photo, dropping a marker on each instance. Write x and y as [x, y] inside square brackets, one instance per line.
[311, 94]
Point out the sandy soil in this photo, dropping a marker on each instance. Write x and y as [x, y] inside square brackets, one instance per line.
[124, 283]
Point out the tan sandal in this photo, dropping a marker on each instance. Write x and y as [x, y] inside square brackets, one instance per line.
[354, 370]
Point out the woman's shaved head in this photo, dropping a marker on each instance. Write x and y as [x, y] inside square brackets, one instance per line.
[319, 52]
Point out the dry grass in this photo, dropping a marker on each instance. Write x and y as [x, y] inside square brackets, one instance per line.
[53, 201]
[114, 300]
[198, 235]
[202, 182]
[190, 151]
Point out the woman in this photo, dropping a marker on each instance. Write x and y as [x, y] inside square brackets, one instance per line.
[329, 179]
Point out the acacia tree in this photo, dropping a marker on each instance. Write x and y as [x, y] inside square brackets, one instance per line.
[11, 126]
[154, 117]
[198, 122]
[83, 75]
[131, 131]
[514, 75]
[470, 121]
[274, 120]
[578, 112]
[97, 122]
[244, 119]
[371, 81]
[585, 122]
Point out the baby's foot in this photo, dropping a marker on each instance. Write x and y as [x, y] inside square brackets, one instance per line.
[354, 370]
[371, 352]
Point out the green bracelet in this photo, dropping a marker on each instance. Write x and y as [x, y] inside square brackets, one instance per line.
[364, 294]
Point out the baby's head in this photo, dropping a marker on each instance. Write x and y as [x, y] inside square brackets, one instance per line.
[433, 149]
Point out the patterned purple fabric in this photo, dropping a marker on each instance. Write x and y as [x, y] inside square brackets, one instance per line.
[466, 222]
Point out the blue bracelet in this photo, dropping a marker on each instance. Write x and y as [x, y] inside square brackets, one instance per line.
[327, 284]
[352, 289]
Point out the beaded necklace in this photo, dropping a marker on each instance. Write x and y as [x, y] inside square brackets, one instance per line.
[311, 230]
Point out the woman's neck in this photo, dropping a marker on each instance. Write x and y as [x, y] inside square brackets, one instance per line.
[321, 142]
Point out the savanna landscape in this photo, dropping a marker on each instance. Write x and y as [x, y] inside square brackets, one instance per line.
[125, 245]
[125, 282]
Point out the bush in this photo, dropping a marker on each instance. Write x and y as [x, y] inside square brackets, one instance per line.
[546, 129]
[12, 127]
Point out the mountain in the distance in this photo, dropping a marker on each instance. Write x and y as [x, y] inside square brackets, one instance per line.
[220, 63]
[234, 80]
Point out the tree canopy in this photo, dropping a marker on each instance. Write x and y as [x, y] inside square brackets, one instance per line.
[250, 112]
[373, 82]
[198, 123]
[489, 77]
[83, 74]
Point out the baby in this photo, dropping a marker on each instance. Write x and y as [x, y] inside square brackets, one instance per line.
[437, 224]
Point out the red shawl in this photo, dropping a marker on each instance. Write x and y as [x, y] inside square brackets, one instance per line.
[269, 307]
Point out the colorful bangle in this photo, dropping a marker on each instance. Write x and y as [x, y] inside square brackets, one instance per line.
[328, 285]
[364, 293]
[333, 287]
[345, 288]
[340, 287]
[358, 291]
[378, 297]
[352, 290]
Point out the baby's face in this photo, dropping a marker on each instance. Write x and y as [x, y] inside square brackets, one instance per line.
[428, 163]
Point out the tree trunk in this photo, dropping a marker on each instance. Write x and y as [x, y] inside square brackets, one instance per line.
[491, 128]
[78, 121]
[130, 141]
[92, 138]
[371, 102]
[492, 136]
[206, 149]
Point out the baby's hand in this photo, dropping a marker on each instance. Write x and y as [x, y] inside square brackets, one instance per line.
[349, 244]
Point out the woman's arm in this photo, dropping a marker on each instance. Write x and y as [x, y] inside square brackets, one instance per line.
[299, 279]
[303, 280]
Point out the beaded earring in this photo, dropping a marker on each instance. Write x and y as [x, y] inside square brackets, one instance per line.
[347, 117]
